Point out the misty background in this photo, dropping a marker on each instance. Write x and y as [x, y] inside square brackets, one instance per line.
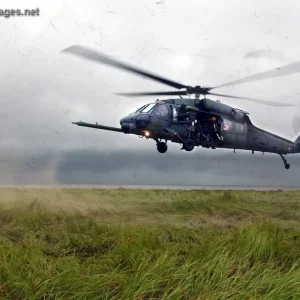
[193, 42]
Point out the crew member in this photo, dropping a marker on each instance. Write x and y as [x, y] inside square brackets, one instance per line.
[184, 115]
[217, 128]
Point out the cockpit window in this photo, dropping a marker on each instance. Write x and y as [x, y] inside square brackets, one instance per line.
[162, 110]
[140, 108]
[146, 108]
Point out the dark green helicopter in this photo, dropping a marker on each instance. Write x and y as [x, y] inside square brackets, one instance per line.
[196, 122]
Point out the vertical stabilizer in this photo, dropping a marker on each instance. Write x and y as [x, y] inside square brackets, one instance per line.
[297, 141]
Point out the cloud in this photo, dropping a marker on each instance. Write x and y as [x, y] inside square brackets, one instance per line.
[179, 168]
[96, 166]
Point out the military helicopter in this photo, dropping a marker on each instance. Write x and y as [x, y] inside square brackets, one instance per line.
[195, 122]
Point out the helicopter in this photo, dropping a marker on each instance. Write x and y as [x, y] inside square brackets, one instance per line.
[194, 122]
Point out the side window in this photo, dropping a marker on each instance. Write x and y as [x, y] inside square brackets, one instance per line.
[239, 128]
[175, 114]
[227, 125]
[162, 110]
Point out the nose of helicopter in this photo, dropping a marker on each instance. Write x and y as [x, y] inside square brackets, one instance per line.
[128, 124]
[132, 122]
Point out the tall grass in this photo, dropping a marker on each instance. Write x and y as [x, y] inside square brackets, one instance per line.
[124, 244]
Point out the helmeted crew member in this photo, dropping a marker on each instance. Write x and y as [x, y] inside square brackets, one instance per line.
[184, 115]
[217, 128]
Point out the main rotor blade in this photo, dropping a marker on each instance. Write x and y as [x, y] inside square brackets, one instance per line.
[255, 100]
[98, 57]
[278, 72]
[152, 94]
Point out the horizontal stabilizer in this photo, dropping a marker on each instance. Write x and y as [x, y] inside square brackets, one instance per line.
[97, 126]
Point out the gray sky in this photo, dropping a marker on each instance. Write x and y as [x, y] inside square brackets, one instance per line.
[204, 42]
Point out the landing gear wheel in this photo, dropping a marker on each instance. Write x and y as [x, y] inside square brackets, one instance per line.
[162, 147]
[286, 165]
[188, 145]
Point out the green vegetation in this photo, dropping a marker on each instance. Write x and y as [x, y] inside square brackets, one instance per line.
[149, 244]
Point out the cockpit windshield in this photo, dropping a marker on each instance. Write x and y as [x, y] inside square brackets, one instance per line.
[146, 108]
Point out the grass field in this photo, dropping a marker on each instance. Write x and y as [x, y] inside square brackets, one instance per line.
[149, 244]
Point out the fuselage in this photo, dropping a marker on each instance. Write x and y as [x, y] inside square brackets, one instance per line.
[244, 135]
[159, 120]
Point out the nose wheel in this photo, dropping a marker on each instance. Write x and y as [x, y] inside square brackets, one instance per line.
[286, 165]
[162, 147]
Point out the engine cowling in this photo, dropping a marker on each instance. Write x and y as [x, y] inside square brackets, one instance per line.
[220, 108]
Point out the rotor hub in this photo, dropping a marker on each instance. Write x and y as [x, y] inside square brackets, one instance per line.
[198, 90]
